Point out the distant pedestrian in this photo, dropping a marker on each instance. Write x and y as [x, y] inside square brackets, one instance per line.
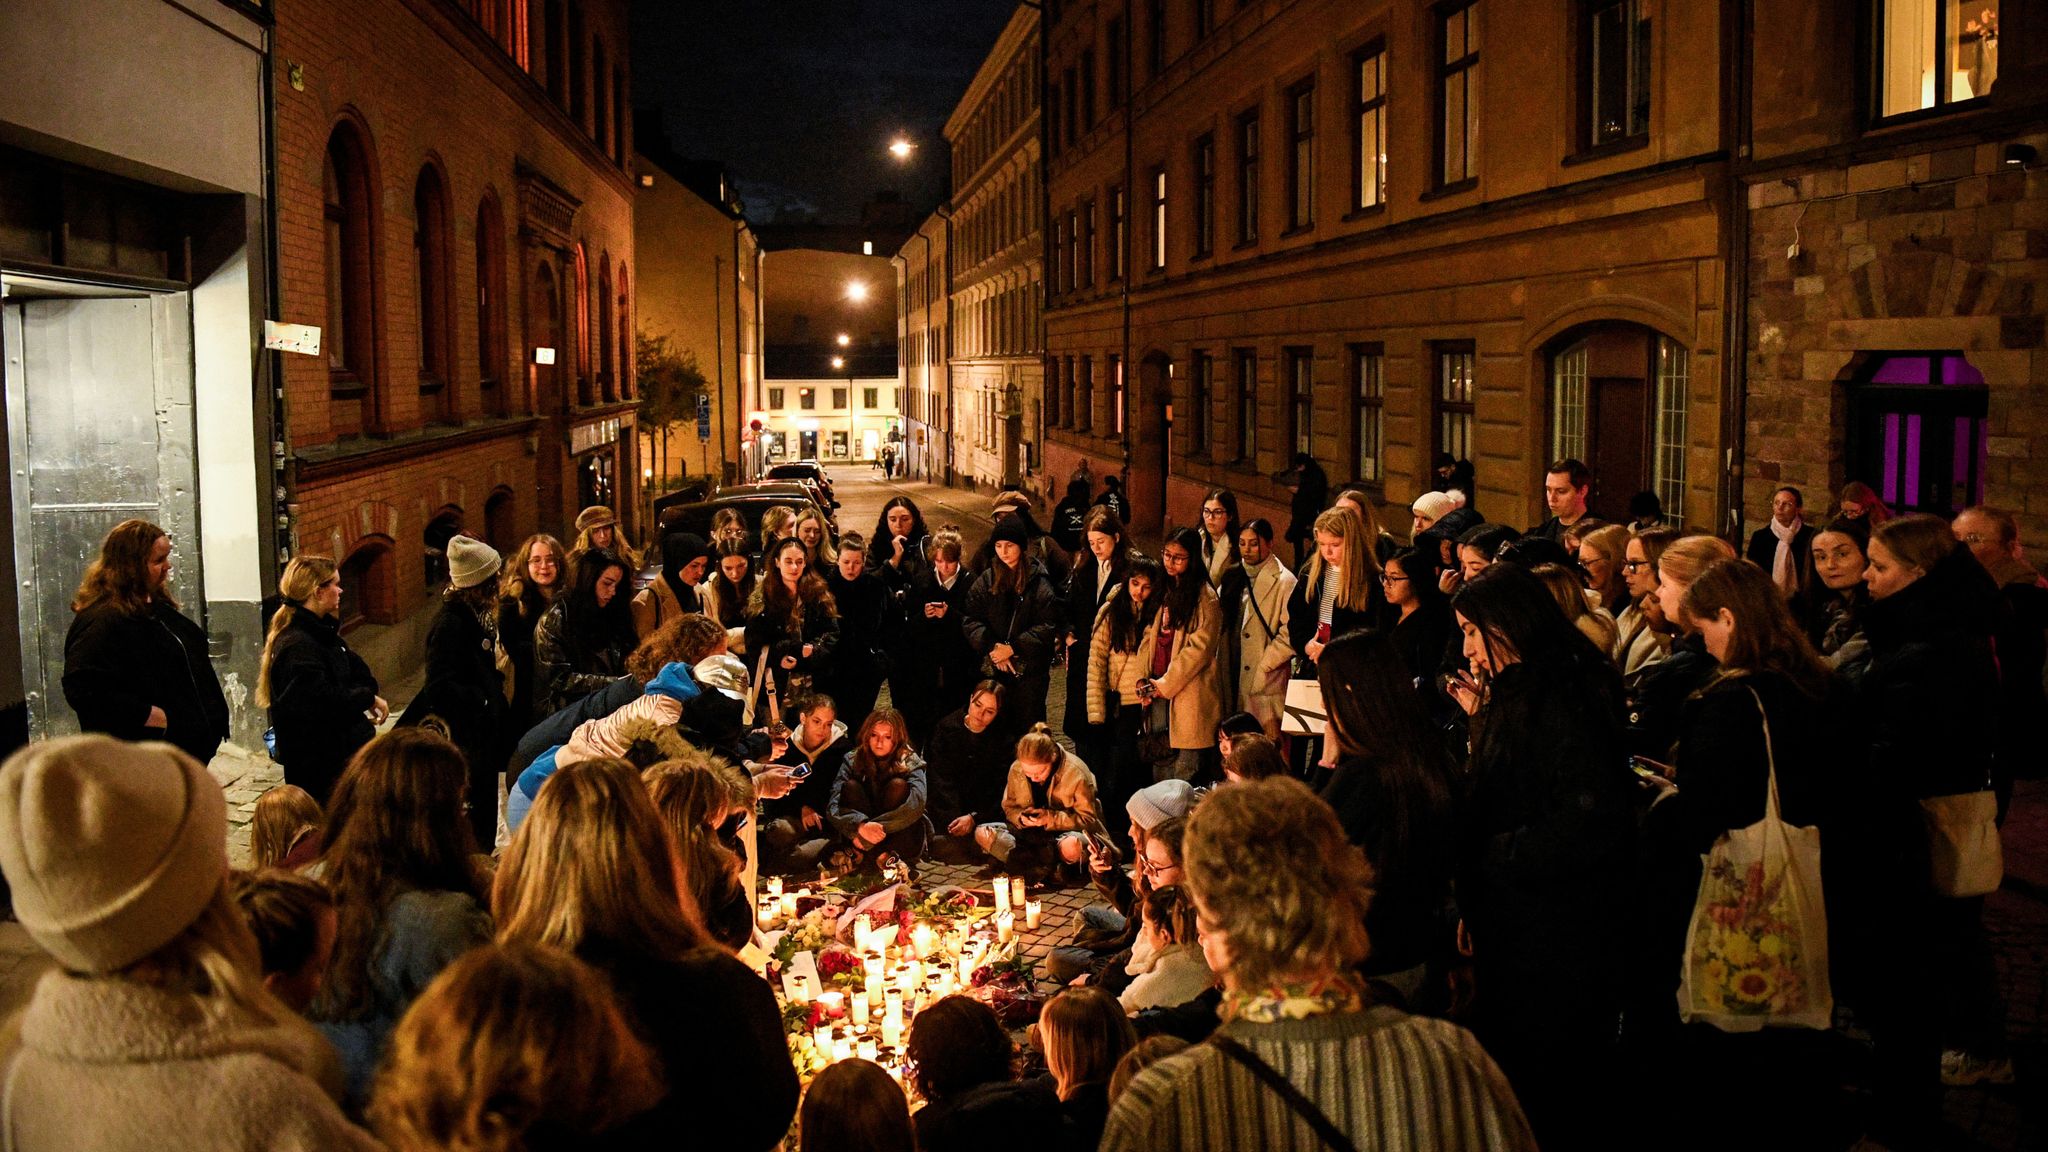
[1311, 492]
[1112, 497]
[134, 666]
[322, 698]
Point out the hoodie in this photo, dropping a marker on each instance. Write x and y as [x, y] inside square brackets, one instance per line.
[815, 792]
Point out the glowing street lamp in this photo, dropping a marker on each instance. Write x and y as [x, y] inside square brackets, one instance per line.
[901, 148]
[856, 291]
[844, 340]
[838, 362]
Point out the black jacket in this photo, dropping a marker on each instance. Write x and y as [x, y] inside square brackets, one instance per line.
[516, 624]
[320, 692]
[117, 665]
[1000, 1116]
[967, 771]
[867, 618]
[1931, 691]
[1305, 603]
[935, 652]
[1658, 692]
[1412, 842]
[1311, 496]
[1763, 552]
[1029, 622]
[773, 634]
[572, 659]
[463, 687]
[815, 790]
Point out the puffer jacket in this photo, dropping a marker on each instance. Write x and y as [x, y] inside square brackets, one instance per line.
[1111, 672]
[855, 801]
[662, 703]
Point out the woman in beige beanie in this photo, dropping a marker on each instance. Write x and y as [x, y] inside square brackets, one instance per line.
[156, 1033]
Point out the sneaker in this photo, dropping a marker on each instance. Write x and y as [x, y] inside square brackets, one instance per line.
[1961, 1069]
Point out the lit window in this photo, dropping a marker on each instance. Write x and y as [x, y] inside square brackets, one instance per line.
[1371, 143]
[1457, 99]
[1617, 81]
[1934, 52]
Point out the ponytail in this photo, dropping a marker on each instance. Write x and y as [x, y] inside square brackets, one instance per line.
[1039, 747]
[301, 579]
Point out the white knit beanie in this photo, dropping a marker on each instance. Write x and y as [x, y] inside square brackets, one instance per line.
[471, 561]
[112, 849]
[1155, 803]
[1437, 505]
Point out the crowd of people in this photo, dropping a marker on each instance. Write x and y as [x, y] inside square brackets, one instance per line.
[1450, 906]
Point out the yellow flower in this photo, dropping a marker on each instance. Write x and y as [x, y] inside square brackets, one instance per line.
[1738, 950]
[1754, 986]
[1772, 945]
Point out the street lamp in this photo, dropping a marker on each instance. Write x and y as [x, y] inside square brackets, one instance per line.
[901, 148]
[856, 291]
[844, 340]
[838, 362]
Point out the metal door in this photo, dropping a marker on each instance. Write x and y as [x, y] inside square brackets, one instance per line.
[99, 430]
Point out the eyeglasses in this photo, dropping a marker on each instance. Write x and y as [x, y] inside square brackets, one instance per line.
[1390, 578]
[1215, 512]
[1636, 565]
[1974, 538]
[1146, 865]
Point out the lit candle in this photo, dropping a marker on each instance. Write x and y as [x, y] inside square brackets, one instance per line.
[834, 1001]
[1031, 912]
[892, 1003]
[921, 940]
[789, 905]
[775, 887]
[800, 988]
[892, 1031]
[863, 932]
[842, 1046]
[860, 1005]
[872, 965]
[1002, 891]
[874, 988]
[1006, 926]
[869, 1050]
[1016, 890]
[916, 971]
[821, 1040]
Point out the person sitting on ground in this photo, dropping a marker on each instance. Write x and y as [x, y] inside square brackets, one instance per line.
[1233, 726]
[793, 829]
[1111, 927]
[854, 1106]
[284, 830]
[1253, 756]
[1282, 896]
[693, 794]
[1084, 1034]
[293, 920]
[964, 1067]
[1167, 967]
[517, 1046]
[1048, 806]
[968, 760]
[154, 1029]
[878, 798]
[1108, 965]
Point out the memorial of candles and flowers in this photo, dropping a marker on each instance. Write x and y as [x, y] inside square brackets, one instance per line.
[854, 958]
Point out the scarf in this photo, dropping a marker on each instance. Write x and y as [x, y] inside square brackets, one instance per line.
[1783, 571]
[1336, 993]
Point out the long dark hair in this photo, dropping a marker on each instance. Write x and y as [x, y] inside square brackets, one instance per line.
[772, 593]
[880, 545]
[1515, 612]
[732, 596]
[1766, 637]
[1420, 566]
[1378, 721]
[1228, 499]
[1184, 595]
[121, 574]
[582, 614]
[1127, 624]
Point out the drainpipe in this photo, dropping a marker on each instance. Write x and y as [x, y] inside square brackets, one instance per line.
[1130, 215]
[1736, 121]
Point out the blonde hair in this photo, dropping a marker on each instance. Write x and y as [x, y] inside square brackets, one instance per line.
[303, 577]
[822, 557]
[1151, 1050]
[1039, 747]
[687, 639]
[1686, 557]
[283, 816]
[1085, 1033]
[690, 794]
[1359, 567]
[512, 581]
[1268, 864]
[593, 868]
[946, 542]
[776, 523]
[512, 1041]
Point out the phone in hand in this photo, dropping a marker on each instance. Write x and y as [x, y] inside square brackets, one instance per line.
[1652, 771]
[799, 771]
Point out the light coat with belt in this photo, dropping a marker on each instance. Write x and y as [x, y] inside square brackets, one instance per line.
[1264, 653]
[1192, 680]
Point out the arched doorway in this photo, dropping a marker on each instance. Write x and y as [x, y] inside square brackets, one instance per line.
[445, 525]
[1618, 398]
[499, 529]
[1917, 430]
[369, 588]
[1151, 426]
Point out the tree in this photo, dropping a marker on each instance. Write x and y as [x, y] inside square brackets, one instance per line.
[670, 383]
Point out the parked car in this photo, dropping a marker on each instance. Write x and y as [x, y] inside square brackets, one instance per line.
[804, 470]
[674, 513]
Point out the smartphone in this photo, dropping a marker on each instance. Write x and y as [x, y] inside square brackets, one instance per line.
[799, 771]
[1652, 771]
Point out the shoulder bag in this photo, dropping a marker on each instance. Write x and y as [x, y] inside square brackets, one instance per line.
[1964, 855]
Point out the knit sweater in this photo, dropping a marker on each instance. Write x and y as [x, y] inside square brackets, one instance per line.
[1388, 1080]
[112, 1065]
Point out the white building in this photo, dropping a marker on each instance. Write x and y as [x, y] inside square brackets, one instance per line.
[832, 418]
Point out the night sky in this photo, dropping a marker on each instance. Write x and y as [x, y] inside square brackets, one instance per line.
[800, 98]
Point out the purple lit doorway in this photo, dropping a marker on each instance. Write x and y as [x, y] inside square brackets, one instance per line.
[1917, 430]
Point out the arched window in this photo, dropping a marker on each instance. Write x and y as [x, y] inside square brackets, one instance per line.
[490, 306]
[626, 383]
[351, 335]
[544, 330]
[1618, 402]
[608, 384]
[369, 590]
[445, 526]
[1917, 430]
[585, 395]
[431, 268]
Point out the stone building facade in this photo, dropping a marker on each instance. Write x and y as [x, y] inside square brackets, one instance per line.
[454, 209]
[923, 339]
[1378, 233]
[1896, 238]
[998, 374]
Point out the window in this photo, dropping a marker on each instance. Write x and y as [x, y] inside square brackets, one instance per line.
[1369, 145]
[1201, 369]
[1457, 105]
[839, 399]
[1917, 431]
[1205, 195]
[490, 303]
[1087, 89]
[1113, 367]
[1155, 46]
[1616, 54]
[1113, 61]
[1301, 156]
[601, 125]
[1073, 105]
[807, 399]
[1084, 399]
[1056, 253]
[1568, 404]
[1159, 219]
[1073, 250]
[430, 268]
[1369, 393]
[1931, 53]
[578, 56]
[1204, 12]
[775, 398]
[1248, 177]
[870, 397]
[1116, 234]
[1088, 244]
[1454, 392]
[1052, 119]
[1301, 398]
[1667, 429]
[350, 339]
[1245, 387]
[607, 380]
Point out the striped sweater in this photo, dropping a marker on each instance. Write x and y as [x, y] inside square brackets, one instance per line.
[1392, 1082]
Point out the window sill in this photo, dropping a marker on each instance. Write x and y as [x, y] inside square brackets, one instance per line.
[1918, 115]
[1298, 230]
[1366, 213]
[1202, 257]
[1245, 245]
[342, 385]
[1634, 143]
[430, 386]
[1446, 190]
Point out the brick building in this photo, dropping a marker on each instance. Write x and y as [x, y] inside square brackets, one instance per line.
[998, 251]
[454, 209]
[923, 333]
[1896, 252]
[1377, 233]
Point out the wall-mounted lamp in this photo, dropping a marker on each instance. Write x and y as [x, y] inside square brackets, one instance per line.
[2020, 156]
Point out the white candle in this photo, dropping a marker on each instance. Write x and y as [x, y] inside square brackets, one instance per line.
[821, 1039]
[873, 967]
[1017, 890]
[775, 887]
[869, 1050]
[874, 988]
[892, 1003]
[842, 1046]
[863, 932]
[921, 940]
[800, 988]
[1031, 913]
[834, 1001]
[1002, 891]
[789, 905]
[860, 1006]
[1006, 926]
[892, 1031]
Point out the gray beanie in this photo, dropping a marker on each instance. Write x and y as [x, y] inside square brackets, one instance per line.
[471, 561]
[112, 849]
[1158, 802]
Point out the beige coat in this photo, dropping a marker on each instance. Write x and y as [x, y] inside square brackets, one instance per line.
[117, 1066]
[1070, 796]
[1264, 655]
[1192, 679]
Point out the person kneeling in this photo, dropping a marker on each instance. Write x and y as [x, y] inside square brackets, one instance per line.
[1047, 804]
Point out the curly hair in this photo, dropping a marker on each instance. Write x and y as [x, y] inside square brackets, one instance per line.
[686, 639]
[1269, 866]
